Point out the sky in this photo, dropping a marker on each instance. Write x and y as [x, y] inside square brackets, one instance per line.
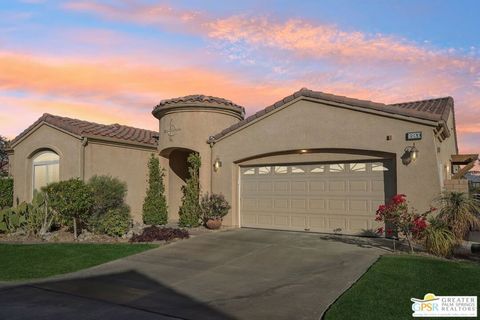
[113, 61]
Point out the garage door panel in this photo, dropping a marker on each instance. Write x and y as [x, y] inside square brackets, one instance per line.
[316, 204]
[281, 186]
[299, 187]
[359, 186]
[265, 204]
[265, 186]
[337, 186]
[318, 197]
[316, 186]
[299, 222]
[337, 223]
[337, 204]
[359, 224]
[359, 205]
[283, 221]
[281, 204]
[298, 204]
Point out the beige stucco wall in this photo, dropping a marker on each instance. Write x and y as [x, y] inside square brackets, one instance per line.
[194, 126]
[44, 137]
[305, 124]
[125, 162]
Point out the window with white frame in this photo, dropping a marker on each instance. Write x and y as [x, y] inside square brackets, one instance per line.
[46, 169]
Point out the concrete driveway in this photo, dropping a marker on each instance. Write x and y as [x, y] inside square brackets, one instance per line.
[236, 274]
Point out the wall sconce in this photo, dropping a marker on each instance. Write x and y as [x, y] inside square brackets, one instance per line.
[217, 164]
[410, 154]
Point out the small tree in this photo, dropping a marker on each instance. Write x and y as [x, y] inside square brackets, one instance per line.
[71, 199]
[190, 211]
[155, 204]
[398, 218]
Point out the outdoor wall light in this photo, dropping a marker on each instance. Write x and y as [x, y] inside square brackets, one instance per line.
[410, 154]
[303, 151]
[217, 164]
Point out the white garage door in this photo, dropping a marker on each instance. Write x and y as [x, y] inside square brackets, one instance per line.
[333, 197]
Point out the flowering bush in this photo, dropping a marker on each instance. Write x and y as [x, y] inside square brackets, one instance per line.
[401, 220]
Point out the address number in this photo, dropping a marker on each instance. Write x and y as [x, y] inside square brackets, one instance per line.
[414, 136]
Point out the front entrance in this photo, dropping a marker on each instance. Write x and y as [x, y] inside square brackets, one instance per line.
[177, 176]
[322, 197]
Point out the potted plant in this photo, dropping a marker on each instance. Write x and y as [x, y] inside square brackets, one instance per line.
[214, 207]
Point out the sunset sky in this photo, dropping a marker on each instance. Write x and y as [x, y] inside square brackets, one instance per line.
[113, 61]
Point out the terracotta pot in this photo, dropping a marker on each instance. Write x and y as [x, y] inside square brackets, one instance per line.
[213, 224]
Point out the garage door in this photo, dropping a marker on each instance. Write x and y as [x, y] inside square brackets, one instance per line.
[333, 197]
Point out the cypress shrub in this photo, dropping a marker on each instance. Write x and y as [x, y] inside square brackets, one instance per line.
[155, 203]
[190, 211]
[6, 192]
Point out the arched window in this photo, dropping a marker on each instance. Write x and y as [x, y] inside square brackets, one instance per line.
[46, 169]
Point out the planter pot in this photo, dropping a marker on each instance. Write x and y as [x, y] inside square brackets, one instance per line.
[214, 224]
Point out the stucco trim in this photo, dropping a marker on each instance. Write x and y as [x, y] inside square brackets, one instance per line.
[373, 153]
[120, 142]
[197, 107]
[268, 113]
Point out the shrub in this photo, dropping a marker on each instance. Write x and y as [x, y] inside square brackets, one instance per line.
[11, 219]
[214, 206]
[439, 240]
[6, 192]
[71, 199]
[190, 209]
[399, 218]
[155, 203]
[459, 212]
[154, 233]
[108, 193]
[115, 222]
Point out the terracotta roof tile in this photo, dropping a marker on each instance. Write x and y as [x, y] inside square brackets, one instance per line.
[432, 109]
[199, 98]
[85, 128]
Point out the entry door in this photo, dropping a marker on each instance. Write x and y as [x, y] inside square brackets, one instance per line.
[323, 197]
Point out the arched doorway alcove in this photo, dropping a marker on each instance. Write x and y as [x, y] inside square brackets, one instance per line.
[177, 175]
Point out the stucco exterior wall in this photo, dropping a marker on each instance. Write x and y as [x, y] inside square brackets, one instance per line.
[125, 162]
[44, 137]
[305, 124]
[192, 128]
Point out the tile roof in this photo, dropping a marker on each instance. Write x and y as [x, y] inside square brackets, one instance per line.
[198, 98]
[432, 109]
[91, 129]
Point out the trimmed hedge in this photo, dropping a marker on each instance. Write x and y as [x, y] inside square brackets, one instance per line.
[6, 192]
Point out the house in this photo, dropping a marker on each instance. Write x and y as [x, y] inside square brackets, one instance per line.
[310, 162]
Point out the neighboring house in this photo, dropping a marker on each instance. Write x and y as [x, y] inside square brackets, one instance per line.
[312, 161]
[58, 148]
[474, 178]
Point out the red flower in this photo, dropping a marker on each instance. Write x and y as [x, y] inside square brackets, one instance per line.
[380, 230]
[389, 232]
[399, 198]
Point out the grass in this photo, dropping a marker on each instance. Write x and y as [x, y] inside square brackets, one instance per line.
[20, 262]
[385, 290]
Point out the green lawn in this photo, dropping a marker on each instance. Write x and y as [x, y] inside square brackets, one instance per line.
[385, 290]
[18, 261]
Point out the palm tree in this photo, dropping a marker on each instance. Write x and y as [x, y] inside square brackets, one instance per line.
[460, 212]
